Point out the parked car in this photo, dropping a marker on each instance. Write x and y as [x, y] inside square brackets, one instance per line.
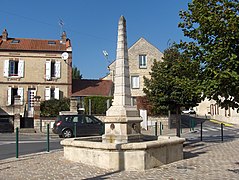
[189, 111]
[86, 125]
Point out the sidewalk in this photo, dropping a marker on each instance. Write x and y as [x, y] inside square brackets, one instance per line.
[202, 160]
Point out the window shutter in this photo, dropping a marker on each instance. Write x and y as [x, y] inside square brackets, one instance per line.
[57, 69]
[9, 96]
[57, 93]
[47, 93]
[135, 82]
[6, 68]
[48, 70]
[21, 68]
[20, 92]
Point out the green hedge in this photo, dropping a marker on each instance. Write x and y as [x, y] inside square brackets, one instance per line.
[98, 104]
[51, 108]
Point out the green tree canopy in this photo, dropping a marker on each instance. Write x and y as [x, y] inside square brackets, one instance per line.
[76, 73]
[213, 27]
[174, 83]
[52, 107]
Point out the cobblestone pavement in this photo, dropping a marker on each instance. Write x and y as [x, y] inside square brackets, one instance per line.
[202, 160]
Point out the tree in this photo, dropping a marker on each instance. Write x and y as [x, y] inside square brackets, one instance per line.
[76, 73]
[52, 107]
[173, 83]
[213, 28]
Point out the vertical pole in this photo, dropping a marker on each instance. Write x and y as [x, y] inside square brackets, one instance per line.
[156, 129]
[48, 139]
[190, 125]
[201, 131]
[222, 131]
[89, 106]
[160, 128]
[75, 129]
[17, 139]
[193, 124]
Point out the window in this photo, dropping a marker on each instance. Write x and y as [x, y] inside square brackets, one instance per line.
[13, 68]
[52, 93]
[51, 42]
[15, 41]
[53, 69]
[142, 61]
[12, 92]
[134, 82]
[133, 101]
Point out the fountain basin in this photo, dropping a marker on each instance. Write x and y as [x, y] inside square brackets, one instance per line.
[135, 156]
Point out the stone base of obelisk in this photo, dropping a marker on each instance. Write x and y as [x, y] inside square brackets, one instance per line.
[122, 125]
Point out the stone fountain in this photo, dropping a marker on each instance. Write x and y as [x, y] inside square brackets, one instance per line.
[123, 147]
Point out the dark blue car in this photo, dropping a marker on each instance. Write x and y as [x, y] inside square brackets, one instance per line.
[86, 125]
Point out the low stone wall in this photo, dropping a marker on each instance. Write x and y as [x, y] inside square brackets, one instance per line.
[130, 156]
[41, 124]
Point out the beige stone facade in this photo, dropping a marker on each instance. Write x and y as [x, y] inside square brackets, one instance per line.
[210, 109]
[141, 57]
[33, 67]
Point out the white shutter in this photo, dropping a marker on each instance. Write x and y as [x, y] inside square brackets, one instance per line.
[57, 93]
[135, 82]
[20, 92]
[9, 96]
[48, 70]
[57, 69]
[47, 93]
[21, 68]
[6, 68]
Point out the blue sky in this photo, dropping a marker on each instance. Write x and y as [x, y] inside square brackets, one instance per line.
[92, 25]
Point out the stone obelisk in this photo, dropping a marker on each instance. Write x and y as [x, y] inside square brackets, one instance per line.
[122, 123]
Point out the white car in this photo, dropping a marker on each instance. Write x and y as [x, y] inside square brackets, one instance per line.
[189, 111]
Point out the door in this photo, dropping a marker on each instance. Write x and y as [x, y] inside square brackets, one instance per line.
[30, 96]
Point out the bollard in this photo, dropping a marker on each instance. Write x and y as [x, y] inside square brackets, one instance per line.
[201, 131]
[156, 129]
[17, 141]
[161, 128]
[48, 139]
[193, 125]
[75, 129]
[222, 131]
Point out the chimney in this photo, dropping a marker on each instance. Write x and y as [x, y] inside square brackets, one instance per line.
[4, 35]
[63, 37]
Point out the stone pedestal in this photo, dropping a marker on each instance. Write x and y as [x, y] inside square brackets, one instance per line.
[73, 105]
[36, 115]
[17, 110]
[122, 125]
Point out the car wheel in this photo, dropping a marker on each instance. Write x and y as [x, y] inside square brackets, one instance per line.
[67, 133]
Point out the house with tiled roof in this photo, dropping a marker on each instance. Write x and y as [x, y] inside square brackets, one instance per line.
[141, 57]
[33, 67]
[91, 87]
[82, 88]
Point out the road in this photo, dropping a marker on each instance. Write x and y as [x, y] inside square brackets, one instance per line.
[28, 144]
[211, 131]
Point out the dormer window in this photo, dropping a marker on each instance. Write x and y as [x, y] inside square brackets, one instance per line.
[15, 41]
[51, 42]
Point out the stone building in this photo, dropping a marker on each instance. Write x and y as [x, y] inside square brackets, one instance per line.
[33, 67]
[141, 57]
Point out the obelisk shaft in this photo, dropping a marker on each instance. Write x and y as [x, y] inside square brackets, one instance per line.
[122, 94]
